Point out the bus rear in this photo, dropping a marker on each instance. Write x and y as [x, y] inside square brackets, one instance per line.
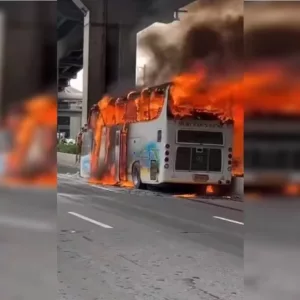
[197, 151]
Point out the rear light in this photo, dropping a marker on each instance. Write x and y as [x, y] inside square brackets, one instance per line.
[228, 181]
[230, 156]
[219, 182]
[166, 159]
[166, 166]
[167, 153]
[230, 149]
[229, 162]
[167, 146]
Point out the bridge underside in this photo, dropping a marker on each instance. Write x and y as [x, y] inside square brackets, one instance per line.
[108, 50]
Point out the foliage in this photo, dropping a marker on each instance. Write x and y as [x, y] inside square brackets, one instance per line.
[66, 148]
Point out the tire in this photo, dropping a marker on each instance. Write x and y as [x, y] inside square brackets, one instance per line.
[136, 177]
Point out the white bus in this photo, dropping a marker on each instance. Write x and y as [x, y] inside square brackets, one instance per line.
[168, 150]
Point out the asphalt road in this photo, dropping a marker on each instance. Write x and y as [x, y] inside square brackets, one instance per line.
[140, 246]
[28, 244]
[158, 247]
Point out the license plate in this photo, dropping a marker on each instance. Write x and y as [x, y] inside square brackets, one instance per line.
[200, 178]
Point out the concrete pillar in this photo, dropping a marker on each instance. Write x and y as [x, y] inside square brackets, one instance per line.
[75, 122]
[238, 187]
[127, 58]
[109, 58]
[94, 52]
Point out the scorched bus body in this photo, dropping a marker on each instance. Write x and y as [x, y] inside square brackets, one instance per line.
[165, 149]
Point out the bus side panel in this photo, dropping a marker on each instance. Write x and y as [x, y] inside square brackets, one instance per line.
[144, 148]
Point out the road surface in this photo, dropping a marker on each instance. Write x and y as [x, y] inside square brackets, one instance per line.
[158, 248]
[28, 244]
[140, 246]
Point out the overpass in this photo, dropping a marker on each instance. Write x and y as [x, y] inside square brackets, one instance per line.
[100, 36]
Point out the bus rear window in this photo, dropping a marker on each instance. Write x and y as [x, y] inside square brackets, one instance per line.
[199, 137]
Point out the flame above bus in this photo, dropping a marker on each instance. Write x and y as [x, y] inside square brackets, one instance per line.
[264, 89]
[186, 97]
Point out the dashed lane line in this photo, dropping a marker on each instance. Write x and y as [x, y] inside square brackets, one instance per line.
[90, 220]
[229, 220]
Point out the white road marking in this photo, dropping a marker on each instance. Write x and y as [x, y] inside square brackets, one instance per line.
[229, 220]
[90, 220]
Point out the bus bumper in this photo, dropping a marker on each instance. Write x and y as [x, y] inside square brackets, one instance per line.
[195, 178]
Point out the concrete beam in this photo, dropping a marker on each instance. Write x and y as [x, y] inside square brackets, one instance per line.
[67, 9]
[72, 41]
[66, 62]
[68, 75]
[160, 11]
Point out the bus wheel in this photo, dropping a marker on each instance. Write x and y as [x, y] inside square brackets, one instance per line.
[136, 177]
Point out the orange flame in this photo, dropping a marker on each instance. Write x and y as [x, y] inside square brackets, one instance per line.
[142, 107]
[292, 190]
[267, 89]
[40, 113]
[186, 196]
[220, 97]
[209, 189]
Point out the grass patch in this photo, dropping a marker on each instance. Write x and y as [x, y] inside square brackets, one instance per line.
[66, 148]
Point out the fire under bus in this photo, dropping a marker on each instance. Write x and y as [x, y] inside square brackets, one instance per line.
[157, 148]
[272, 151]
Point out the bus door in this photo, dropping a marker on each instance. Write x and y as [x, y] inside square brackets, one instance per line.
[117, 154]
[86, 153]
[123, 155]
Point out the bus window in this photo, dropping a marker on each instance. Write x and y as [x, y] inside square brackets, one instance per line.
[120, 108]
[131, 111]
[143, 103]
[108, 114]
[156, 104]
[159, 136]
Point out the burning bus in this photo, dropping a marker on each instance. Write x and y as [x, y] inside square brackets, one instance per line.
[144, 139]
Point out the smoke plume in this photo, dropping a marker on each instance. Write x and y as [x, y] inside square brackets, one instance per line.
[225, 36]
[210, 33]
